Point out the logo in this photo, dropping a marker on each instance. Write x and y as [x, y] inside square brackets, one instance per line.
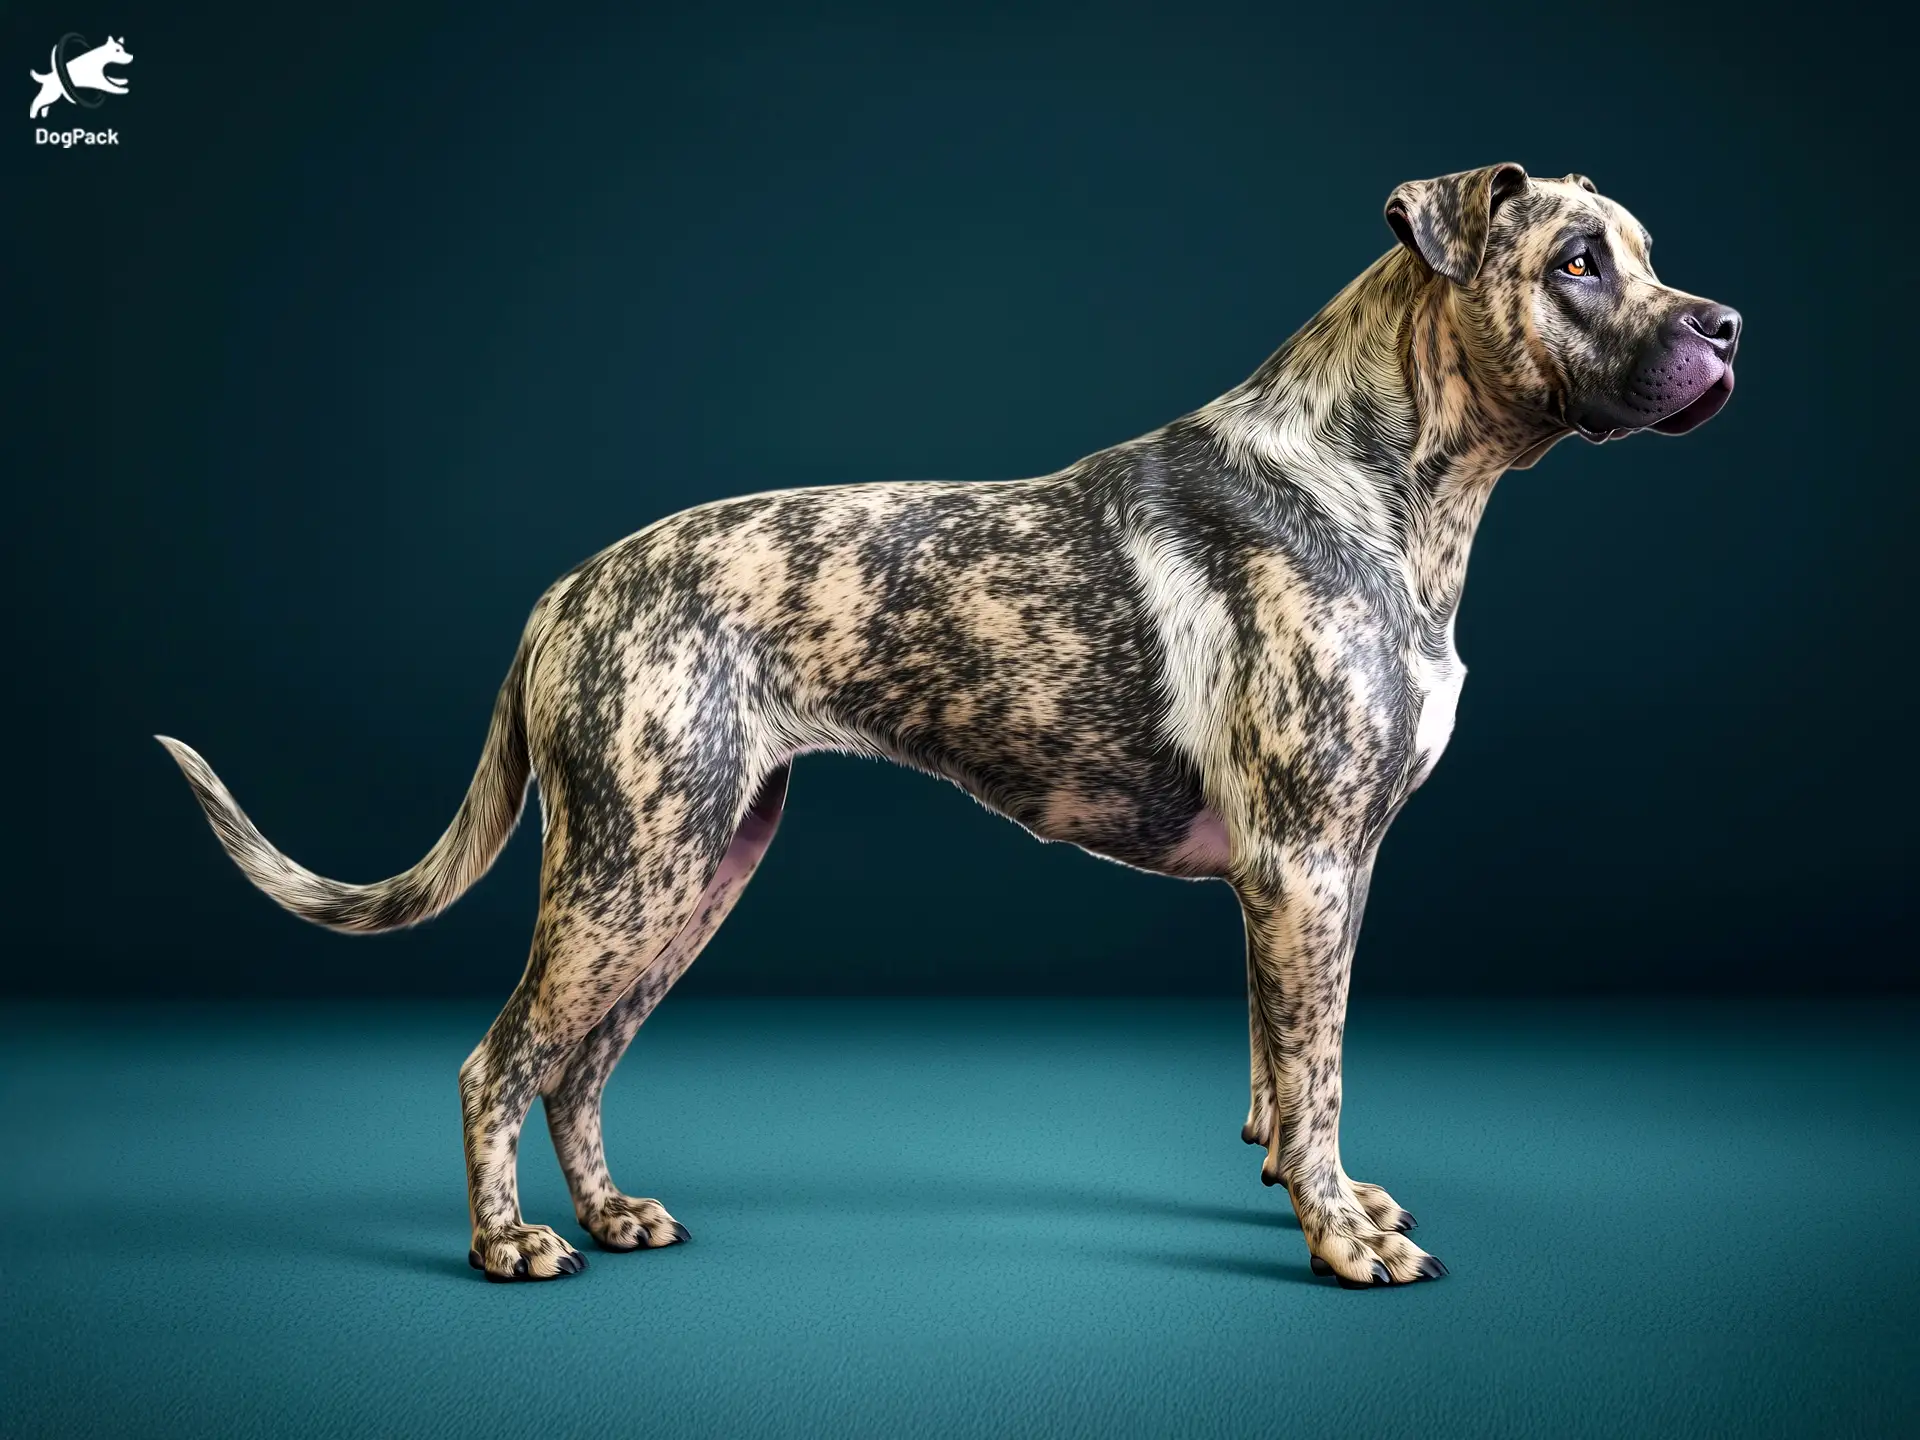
[74, 73]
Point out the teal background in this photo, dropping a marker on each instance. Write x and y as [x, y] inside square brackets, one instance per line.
[381, 317]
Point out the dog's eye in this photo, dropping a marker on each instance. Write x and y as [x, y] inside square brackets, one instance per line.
[1581, 264]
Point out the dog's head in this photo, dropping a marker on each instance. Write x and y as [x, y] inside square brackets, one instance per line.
[1562, 316]
[114, 52]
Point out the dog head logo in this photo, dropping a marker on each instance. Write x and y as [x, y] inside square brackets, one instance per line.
[74, 71]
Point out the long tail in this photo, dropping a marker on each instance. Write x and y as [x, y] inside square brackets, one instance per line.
[460, 856]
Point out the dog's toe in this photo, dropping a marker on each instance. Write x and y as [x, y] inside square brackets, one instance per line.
[1376, 1276]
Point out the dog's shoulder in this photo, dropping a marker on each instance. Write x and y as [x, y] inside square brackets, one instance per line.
[1248, 535]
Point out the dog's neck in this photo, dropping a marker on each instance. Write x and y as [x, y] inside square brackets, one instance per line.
[1371, 410]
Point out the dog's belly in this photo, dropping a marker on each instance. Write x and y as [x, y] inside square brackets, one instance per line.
[1204, 851]
[1106, 794]
[1188, 843]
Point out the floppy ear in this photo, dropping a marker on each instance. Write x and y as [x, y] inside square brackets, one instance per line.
[1445, 220]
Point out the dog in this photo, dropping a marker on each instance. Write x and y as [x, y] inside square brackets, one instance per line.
[1223, 650]
[87, 71]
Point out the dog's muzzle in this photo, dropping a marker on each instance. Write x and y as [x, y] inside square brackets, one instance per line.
[1682, 380]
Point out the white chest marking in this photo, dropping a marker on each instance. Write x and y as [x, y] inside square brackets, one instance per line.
[1438, 682]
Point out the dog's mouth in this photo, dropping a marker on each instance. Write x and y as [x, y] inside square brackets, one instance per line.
[1692, 413]
[1700, 409]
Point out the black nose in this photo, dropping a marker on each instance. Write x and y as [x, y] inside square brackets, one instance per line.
[1718, 325]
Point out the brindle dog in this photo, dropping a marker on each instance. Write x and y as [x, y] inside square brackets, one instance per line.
[1222, 650]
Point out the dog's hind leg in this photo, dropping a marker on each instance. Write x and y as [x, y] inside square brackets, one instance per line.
[587, 953]
[645, 787]
[617, 1221]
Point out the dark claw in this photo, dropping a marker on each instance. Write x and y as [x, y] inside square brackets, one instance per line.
[681, 1234]
[473, 1259]
[520, 1268]
[1380, 1277]
[1431, 1268]
[571, 1264]
[1251, 1135]
[1265, 1179]
[1405, 1223]
[1318, 1266]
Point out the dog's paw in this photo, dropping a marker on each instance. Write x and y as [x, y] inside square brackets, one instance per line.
[624, 1223]
[1380, 1207]
[1356, 1233]
[524, 1252]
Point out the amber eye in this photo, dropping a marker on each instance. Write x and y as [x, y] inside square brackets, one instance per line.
[1581, 264]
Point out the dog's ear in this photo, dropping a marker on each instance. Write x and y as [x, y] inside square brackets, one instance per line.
[1584, 183]
[1445, 220]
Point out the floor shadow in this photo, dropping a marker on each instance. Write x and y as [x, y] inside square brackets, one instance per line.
[998, 1195]
[393, 1231]
[1236, 1266]
[436, 1264]
[425, 1235]
[1277, 1218]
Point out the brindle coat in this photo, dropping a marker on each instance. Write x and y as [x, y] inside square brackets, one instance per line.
[1224, 649]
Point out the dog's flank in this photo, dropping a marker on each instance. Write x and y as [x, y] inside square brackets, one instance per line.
[1222, 650]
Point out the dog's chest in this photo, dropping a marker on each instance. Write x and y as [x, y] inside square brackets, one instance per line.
[1435, 682]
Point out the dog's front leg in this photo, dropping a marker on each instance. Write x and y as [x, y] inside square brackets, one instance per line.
[1302, 906]
[1261, 1112]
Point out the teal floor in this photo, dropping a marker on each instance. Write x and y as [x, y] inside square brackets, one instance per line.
[976, 1218]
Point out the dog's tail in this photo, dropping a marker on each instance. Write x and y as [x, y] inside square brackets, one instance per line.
[461, 856]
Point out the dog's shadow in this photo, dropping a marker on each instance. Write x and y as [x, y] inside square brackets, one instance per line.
[392, 1232]
[1035, 1198]
[425, 1236]
[1001, 1198]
